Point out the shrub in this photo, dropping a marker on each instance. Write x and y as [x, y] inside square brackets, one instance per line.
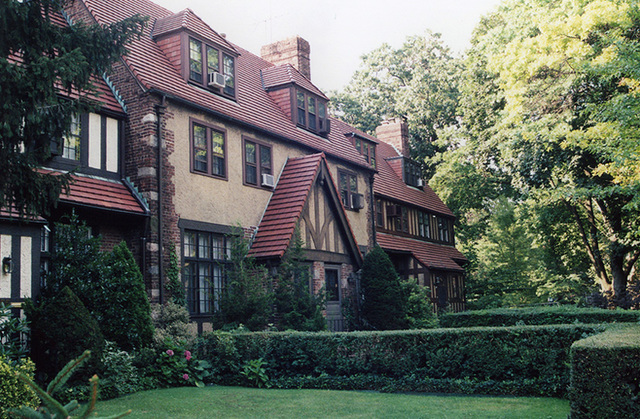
[119, 301]
[385, 303]
[12, 331]
[176, 366]
[420, 313]
[61, 331]
[219, 349]
[173, 284]
[536, 315]
[171, 321]
[13, 392]
[297, 308]
[526, 360]
[605, 375]
[119, 376]
[247, 297]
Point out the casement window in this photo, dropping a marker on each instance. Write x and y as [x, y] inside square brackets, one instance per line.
[348, 185]
[311, 113]
[424, 225]
[71, 142]
[208, 150]
[206, 256]
[412, 173]
[367, 149]
[443, 229]
[379, 213]
[204, 60]
[257, 163]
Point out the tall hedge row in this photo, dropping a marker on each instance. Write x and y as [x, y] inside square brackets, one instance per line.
[537, 316]
[605, 375]
[505, 360]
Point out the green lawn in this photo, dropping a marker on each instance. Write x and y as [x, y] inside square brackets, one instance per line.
[239, 402]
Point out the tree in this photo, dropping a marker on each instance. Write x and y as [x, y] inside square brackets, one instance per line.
[564, 75]
[247, 295]
[43, 67]
[296, 306]
[418, 82]
[384, 304]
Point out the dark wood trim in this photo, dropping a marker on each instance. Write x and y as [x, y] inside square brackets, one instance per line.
[184, 224]
[209, 127]
[258, 143]
[327, 257]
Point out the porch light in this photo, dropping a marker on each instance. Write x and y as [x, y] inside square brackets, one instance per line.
[6, 265]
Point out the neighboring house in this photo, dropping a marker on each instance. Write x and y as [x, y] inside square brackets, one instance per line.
[217, 137]
[98, 194]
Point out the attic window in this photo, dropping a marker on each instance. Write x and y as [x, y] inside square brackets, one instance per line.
[218, 78]
[311, 113]
[367, 149]
[412, 173]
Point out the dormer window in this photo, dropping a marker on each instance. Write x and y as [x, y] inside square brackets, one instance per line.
[224, 83]
[412, 173]
[367, 149]
[311, 113]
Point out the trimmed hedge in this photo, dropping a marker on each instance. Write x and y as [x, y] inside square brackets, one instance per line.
[605, 374]
[537, 316]
[522, 360]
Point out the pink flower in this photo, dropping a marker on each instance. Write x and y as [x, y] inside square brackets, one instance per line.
[169, 352]
[187, 355]
[186, 377]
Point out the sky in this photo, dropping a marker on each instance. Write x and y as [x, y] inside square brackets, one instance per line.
[338, 31]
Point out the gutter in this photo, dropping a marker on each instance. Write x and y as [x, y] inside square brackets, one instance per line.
[160, 109]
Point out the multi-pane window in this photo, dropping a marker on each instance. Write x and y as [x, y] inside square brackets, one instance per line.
[443, 229]
[311, 113]
[412, 173]
[367, 149]
[45, 253]
[257, 162]
[379, 213]
[205, 257]
[198, 52]
[208, 150]
[71, 142]
[348, 184]
[424, 225]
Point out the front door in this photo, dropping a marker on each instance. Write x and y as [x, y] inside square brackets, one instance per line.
[334, 308]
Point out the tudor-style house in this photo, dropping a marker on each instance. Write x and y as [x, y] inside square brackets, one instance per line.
[214, 137]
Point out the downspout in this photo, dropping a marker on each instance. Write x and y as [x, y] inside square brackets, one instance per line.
[159, 113]
[373, 210]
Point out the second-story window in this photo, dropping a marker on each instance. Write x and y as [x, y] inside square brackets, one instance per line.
[311, 113]
[348, 185]
[71, 143]
[443, 229]
[424, 225]
[208, 150]
[412, 173]
[257, 162]
[198, 51]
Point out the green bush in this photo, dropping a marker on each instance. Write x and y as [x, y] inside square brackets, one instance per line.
[524, 360]
[171, 321]
[384, 304]
[536, 316]
[12, 331]
[61, 331]
[13, 392]
[605, 374]
[119, 376]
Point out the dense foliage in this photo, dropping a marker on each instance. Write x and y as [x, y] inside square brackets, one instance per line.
[109, 284]
[604, 375]
[13, 333]
[42, 64]
[506, 360]
[384, 305]
[13, 392]
[537, 316]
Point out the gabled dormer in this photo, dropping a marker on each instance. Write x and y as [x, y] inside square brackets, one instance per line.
[298, 98]
[364, 146]
[203, 57]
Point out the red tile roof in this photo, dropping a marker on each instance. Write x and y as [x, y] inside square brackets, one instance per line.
[186, 19]
[284, 74]
[285, 207]
[431, 255]
[389, 184]
[253, 105]
[102, 194]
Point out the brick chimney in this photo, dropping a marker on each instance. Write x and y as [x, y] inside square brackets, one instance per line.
[294, 51]
[395, 132]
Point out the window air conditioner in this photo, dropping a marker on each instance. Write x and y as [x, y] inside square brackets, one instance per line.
[326, 128]
[420, 183]
[217, 80]
[357, 201]
[268, 180]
